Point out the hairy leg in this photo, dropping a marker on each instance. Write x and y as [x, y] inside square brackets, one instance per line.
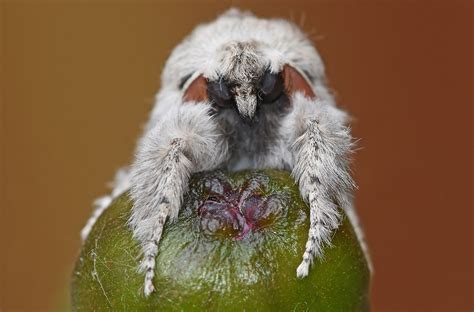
[320, 148]
[120, 185]
[185, 140]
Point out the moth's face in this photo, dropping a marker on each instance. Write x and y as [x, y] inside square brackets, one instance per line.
[246, 97]
[242, 62]
[245, 82]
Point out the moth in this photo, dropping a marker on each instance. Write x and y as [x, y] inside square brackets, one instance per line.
[239, 93]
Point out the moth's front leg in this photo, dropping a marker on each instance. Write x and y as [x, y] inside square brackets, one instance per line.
[320, 153]
[185, 141]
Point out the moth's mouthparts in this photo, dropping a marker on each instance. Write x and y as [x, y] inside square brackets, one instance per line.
[247, 106]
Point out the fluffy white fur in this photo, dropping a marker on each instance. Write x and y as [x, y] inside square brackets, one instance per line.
[311, 139]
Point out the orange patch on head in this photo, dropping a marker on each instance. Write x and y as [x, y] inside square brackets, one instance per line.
[295, 82]
[197, 90]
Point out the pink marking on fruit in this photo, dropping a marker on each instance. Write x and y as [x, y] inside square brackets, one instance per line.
[237, 212]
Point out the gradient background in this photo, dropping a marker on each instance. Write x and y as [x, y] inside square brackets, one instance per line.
[78, 80]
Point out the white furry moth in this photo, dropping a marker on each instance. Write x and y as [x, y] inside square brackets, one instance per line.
[240, 93]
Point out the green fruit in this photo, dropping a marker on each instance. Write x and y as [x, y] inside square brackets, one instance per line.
[235, 247]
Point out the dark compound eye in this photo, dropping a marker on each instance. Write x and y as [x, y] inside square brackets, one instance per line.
[271, 86]
[220, 94]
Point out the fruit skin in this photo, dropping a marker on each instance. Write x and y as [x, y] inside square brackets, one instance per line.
[201, 266]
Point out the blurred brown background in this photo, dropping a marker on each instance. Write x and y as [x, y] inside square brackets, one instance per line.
[78, 80]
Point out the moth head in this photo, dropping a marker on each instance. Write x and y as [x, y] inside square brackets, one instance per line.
[242, 62]
[266, 89]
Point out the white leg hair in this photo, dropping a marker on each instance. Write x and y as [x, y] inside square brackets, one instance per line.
[184, 141]
[320, 148]
[120, 185]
